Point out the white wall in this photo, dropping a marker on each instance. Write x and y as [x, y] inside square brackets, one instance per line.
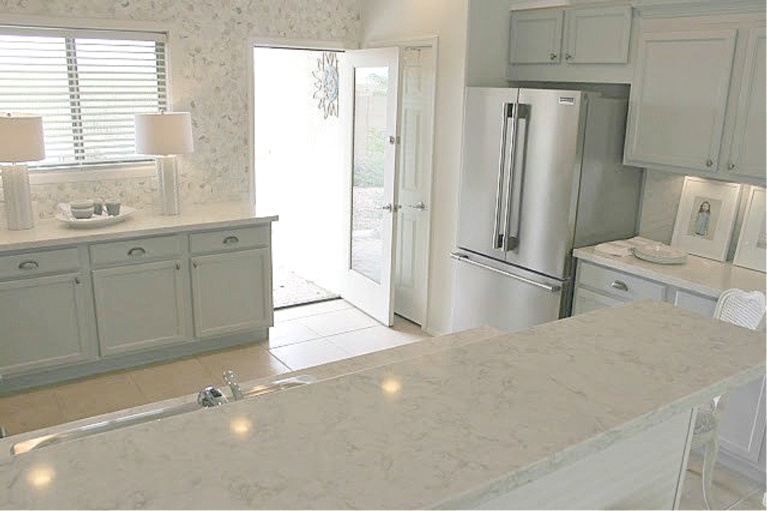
[392, 20]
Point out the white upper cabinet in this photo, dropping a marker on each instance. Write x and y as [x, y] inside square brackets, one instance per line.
[679, 99]
[598, 35]
[747, 153]
[536, 36]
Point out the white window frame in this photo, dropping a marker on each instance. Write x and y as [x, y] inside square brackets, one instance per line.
[107, 171]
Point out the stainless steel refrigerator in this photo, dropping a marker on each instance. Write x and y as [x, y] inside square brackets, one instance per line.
[542, 174]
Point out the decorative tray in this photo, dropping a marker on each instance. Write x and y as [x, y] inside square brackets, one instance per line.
[660, 254]
[93, 222]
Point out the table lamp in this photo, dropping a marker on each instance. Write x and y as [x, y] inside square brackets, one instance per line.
[165, 135]
[21, 140]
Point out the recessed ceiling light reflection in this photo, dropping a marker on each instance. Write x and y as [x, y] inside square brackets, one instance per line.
[241, 426]
[41, 476]
[391, 386]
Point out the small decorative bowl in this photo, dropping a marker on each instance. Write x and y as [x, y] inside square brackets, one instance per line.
[82, 213]
[81, 204]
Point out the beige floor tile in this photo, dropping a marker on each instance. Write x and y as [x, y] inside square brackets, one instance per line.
[338, 322]
[248, 363]
[290, 332]
[173, 379]
[313, 309]
[29, 411]
[309, 353]
[752, 502]
[101, 394]
[368, 340]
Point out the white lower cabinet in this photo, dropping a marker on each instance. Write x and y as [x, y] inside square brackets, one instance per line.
[140, 306]
[44, 323]
[231, 292]
[742, 431]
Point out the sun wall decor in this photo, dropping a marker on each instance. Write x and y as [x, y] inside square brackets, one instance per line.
[326, 83]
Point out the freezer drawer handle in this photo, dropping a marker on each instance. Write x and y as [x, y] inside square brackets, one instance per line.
[465, 259]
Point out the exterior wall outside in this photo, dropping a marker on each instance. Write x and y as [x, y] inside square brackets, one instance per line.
[209, 54]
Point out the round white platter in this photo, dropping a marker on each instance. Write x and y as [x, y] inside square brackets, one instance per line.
[95, 221]
[660, 254]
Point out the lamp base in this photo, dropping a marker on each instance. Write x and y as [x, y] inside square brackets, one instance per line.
[18, 201]
[167, 176]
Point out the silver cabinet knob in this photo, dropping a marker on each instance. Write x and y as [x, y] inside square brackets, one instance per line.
[418, 205]
[730, 166]
[619, 285]
[709, 163]
[568, 57]
[552, 56]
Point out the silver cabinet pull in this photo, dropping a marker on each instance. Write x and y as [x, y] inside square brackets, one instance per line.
[730, 166]
[619, 285]
[178, 266]
[568, 56]
[231, 240]
[77, 280]
[418, 205]
[29, 265]
[465, 259]
[552, 56]
[709, 163]
[136, 252]
[194, 263]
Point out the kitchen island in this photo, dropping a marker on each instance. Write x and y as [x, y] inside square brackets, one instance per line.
[591, 411]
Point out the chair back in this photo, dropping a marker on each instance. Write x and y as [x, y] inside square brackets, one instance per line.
[741, 308]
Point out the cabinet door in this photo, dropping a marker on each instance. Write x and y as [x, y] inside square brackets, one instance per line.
[742, 429]
[678, 99]
[695, 303]
[598, 36]
[139, 306]
[536, 37]
[587, 301]
[748, 147]
[232, 292]
[43, 323]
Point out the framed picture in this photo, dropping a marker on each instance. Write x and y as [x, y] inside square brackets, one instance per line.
[706, 217]
[752, 244]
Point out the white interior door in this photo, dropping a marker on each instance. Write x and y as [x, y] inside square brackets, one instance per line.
[414, 182]
[369, 105]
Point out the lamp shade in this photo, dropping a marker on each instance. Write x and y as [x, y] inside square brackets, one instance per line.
[21, 138]
[163, 134]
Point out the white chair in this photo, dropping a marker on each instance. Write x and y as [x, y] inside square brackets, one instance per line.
[742, 309]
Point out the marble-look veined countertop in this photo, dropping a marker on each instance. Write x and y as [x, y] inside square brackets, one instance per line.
[50, 232]
[697, 274]
[449, 428]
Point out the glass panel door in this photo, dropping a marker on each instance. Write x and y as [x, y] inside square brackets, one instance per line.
[369, 102]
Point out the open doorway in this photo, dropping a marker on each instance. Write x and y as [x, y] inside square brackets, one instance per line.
[308, 172]
[298, 173]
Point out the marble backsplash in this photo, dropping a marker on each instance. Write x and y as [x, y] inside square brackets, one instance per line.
[209, 53]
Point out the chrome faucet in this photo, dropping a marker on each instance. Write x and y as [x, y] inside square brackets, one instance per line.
[210, 396]
[234, 384]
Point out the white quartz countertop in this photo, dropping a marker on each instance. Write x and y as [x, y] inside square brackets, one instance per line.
[697, 274]
[51, 232]
[447, 428]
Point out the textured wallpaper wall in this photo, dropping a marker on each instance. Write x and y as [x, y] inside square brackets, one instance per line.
[209, 57]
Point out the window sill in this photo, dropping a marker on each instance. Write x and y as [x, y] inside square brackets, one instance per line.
[105, 173]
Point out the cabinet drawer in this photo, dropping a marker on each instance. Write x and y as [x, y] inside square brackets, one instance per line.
[34, 263]
[229, 239]
[618, 284]
[136, 250]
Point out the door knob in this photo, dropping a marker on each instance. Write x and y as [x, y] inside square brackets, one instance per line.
[418, 205]
[388, 207]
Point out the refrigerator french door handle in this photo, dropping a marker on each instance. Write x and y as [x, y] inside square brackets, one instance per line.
[511, 241]
[465, 259]
[508, 111]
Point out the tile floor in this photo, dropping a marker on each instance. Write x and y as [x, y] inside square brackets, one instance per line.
[301, 337]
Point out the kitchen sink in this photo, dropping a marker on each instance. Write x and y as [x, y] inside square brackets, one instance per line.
[150, 415]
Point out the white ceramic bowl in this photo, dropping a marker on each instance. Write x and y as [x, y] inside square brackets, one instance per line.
[82, 213]
[81, 204]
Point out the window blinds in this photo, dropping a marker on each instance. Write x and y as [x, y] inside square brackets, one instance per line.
[87, 85]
